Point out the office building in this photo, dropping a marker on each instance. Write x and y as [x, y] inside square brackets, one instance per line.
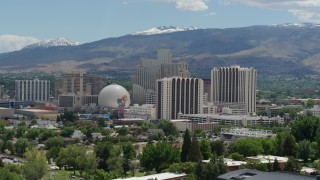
[178, 95]
[150, 70]
[32, 90]
[77, 89]
[234, 87]
[73, 83]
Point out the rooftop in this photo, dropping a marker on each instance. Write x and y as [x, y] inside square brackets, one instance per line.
[248, 174]
[161, 176]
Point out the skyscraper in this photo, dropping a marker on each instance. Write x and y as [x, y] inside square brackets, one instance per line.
[178, 95]
[72, 83]
[143, 88]
[234, 87]
[32, 90]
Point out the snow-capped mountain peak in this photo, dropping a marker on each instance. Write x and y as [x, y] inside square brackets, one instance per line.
[297, 25]
[164, 29]
[54, 42]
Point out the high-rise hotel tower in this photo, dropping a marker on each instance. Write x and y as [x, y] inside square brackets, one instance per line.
[178, 95]
[150, 70]
[234, 87]
[32, 90]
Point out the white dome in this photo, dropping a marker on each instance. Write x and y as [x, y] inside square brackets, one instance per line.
[113, 95]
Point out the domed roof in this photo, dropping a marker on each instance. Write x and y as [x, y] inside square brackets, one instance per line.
[114, 95]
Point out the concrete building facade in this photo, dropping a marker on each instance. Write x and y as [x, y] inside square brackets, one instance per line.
[234, 87]
[143, 88]
[32, 90]
[178, 95]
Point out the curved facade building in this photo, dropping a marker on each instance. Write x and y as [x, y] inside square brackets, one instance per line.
[113, 96]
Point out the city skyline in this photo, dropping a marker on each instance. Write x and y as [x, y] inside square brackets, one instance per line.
[87, 21]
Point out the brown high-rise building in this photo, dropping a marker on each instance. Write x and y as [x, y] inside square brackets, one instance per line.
[78, 83]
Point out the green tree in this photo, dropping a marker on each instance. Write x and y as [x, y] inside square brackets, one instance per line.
[103, 151]
[275, 165]
[21, 131]
[115, 160]
[128, 154]
[183, 167]
[289, 145]
[123, 131]
[101, 122]
[237, 157]
[168, 127]
[194, 154]
[46, 134]
[310, 103]
[36, 166]
[205, 149]
[8, 134]
[66, 131]
[278, 143]
[5, 174]
[212, 169]
[77, 157]
[21, 145]
[305, 127]
[53, 153]
[247, 146]
[32, 133]
[292, 165]
[217, 147]
[54, 142]
[58, 119]
[33, 122]
[256, 164]
[69, 116]
[185, 146]
[159, 156]
[304, 150]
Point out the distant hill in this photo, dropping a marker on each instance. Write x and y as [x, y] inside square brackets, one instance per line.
[287, 48]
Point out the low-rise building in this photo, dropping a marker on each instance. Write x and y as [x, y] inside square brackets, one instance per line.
[145, 111]
[231, 134]
[6, 113]
[184, 124]
[161, 176]
[241, 120]
[269, 159]
[37, 113]
[127, 121]
[77, 134]
[249, 174]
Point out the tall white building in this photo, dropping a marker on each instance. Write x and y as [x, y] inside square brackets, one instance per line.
[32, 90]
[143, 88]
[234, 87]
[178, 95]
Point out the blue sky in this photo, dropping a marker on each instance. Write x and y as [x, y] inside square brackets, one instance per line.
[27, 21]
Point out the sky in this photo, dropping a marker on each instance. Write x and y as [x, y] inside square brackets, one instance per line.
[23, 22]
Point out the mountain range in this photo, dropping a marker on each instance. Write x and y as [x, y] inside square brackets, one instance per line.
[286, 48]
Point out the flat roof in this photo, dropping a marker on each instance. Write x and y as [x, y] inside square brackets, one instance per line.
[161, 176]
[248, 174]
[35, 110]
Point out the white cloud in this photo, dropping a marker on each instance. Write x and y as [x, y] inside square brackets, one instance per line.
[191, 5]
[10, 43]
[211, 14]
[305, 10]
[125, 3]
